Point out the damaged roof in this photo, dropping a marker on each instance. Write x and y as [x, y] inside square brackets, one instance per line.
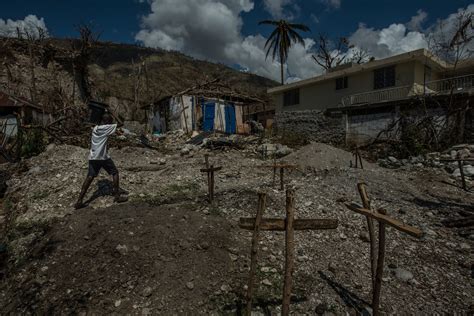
[9, 101]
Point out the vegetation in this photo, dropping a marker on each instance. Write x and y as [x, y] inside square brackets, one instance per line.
[280, 40]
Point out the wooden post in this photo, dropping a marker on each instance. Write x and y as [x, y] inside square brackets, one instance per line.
[370, 225]
[464, 186]
[274, 170]
[380, 263]
[282, 183]
[211, 188]
[184, 114]
[254, 250]
[274, 175]
[383, 220]
[210, 177]
[290, 251]
[355, 157]
[360, 159]
[206, 158]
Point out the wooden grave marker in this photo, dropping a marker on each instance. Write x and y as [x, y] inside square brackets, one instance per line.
[282, 168]
[383, 219]
[289, 225]
[357, 158]
[210, 169]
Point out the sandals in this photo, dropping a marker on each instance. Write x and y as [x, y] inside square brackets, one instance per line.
[79, 205]
[120, 199]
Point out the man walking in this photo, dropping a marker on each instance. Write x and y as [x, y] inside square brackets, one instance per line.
[99, 158]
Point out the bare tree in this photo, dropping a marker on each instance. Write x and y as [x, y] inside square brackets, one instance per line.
[360, 55]
[81, 57]
[330, 54]
[34, 37]
[452, 42]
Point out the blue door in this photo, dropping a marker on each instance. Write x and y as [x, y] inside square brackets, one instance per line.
[209, 110]
[230, 121]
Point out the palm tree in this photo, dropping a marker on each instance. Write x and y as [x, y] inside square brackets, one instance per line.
[279, 42]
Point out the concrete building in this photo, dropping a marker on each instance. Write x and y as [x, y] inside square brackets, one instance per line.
[367, 96]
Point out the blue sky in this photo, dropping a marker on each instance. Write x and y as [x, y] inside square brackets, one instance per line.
[227, 31]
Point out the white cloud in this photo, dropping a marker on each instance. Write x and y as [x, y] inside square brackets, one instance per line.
[31, 25]
[211, 29]
[417, 20]
[276, 8]
[399, 38]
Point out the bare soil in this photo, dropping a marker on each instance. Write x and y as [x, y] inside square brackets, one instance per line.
[168, 251]
[127, 259]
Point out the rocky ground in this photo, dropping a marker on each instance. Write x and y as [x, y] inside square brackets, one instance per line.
[168, 251]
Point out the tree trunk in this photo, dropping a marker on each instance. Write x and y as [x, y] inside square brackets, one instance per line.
[281, 70]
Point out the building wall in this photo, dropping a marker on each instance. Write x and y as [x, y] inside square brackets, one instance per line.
[363, 126]
[323, 95]
[313, 125]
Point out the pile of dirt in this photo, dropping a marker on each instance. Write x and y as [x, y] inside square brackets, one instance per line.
[323, 156]
[129, 259]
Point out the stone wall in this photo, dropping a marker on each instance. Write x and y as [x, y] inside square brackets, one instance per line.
[314, 125]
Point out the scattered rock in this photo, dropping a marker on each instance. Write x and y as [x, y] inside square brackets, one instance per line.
[122, 249]
[190, 285]
[266, 282]
[403, 275]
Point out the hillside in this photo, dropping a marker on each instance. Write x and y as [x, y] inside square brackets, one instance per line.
[126, 76]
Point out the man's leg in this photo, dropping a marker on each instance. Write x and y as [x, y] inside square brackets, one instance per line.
[93, 171]
[109, 166]
[85, 187]
[116, 179]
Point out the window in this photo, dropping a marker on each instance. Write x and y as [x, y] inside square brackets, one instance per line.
[384, 77]
[291, 97]
[341, 83]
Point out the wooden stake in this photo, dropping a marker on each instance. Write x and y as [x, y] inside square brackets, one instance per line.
[464, 186]
[282, 185]
[211, 189]
[206, 158]
[290, 251]
[254, 250]
[370, 225]
[360, 159]
[380, 263]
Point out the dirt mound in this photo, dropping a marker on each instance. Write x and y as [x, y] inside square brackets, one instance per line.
[130, 259]
[323, 156]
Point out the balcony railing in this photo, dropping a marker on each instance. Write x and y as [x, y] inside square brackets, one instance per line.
[437, 87]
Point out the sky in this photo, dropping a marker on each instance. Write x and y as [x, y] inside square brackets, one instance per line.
[227, 31]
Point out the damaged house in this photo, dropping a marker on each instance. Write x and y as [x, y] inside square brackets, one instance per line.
[16, 112]
[356, 103]
[211, 107]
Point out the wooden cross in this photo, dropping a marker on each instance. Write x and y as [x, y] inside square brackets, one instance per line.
[282, 168]
[383, 219]
[357, 158]
[289, 225]
[460, 163]
[210, 177]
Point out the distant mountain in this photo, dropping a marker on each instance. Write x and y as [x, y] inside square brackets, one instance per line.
[127, 76]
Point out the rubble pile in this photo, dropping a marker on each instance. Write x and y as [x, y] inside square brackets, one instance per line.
[321, 156]
[438, 160]
[423, 276]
